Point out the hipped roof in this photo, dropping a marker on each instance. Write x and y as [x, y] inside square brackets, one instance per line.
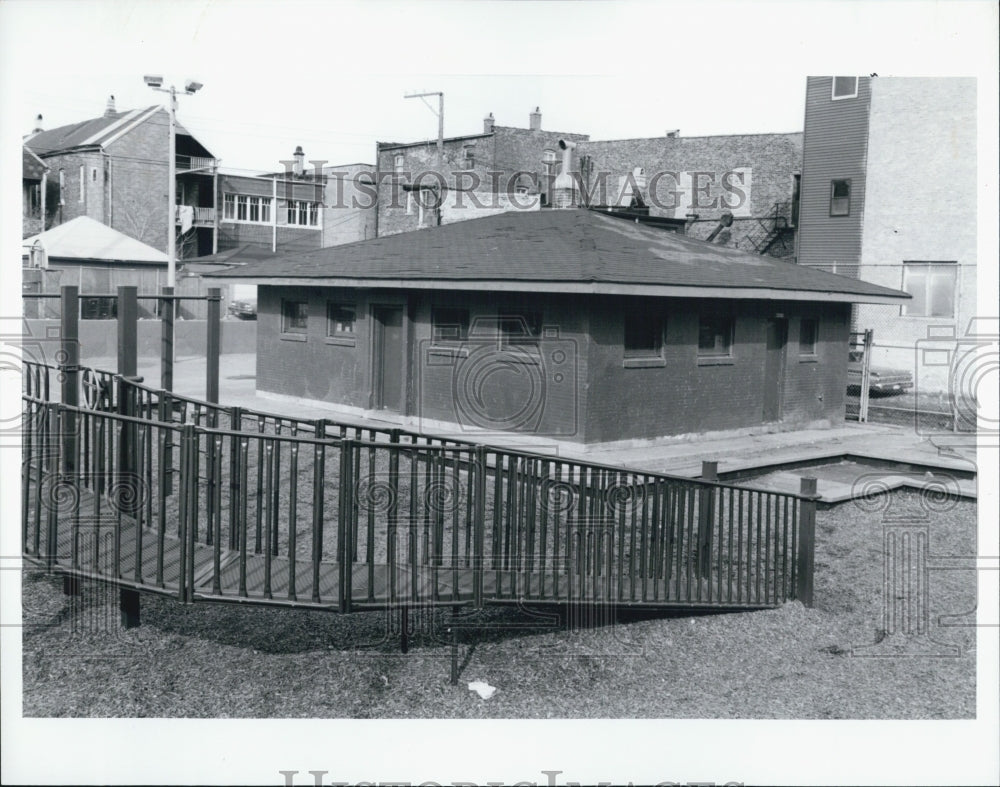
[573, 251]
[83, 238]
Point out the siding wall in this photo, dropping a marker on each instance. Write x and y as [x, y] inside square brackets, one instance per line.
[835, 147]
[921, 206]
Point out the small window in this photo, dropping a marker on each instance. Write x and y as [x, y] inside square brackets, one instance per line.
[519, 329]
[449, 325]
[340, 319]
[715, 336]
[99, 308]
[643, 334]
[93, 174]
[844, 87]
[82, 183]
[469, 157]
[932, 285]
[808, 333]
[398, 162]
[549, 156]
[840, 197]
[294, 316]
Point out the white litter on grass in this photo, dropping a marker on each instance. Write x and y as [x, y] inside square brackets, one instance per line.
[482, 688]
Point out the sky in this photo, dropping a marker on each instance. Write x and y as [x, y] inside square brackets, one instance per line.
[332, 77]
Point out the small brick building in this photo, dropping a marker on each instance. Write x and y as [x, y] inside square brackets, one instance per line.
[568, 324]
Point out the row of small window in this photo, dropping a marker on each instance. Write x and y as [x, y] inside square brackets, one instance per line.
[468, 158]
[257, 210]
[644, 335]
[643, 330]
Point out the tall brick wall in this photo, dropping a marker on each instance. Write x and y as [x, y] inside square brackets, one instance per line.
[745, 174]
[93, 202]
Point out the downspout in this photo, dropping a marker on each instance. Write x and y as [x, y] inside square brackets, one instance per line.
[378, 183]
[274, 214]
[45, 186]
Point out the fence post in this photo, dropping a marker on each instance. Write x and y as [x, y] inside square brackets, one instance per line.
[807, 540]
[344, 525]
[167, 308]
[478, 526]
[128, 327]
[706, 509]
[212, 344]
[70, 370]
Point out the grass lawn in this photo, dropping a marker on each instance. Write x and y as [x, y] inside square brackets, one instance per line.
[230, 661]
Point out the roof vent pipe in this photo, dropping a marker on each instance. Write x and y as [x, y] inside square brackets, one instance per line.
[725, 220]
[535, 120]
[298, 162]
[109, 108]
[38, 125]
[564, 187]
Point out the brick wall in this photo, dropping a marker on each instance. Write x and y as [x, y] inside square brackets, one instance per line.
[687, 395]
[745, 174]
[581, 389]
[93, 202]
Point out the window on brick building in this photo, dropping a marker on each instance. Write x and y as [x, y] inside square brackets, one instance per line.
[715, 335]
[82, 184]
[840, 197]
[246, 209]
[643, 333]
[303, 214]
[294, 316]
[844, 87]
[340, 319]
[519, 330]
[448, 325]
[398, 162]
[808, 334]
[469, 157]
[932, 285]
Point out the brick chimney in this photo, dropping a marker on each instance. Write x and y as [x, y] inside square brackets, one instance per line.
[109, 109]
[488, 124]
[535, 120]
[298, 165]
[38, 125]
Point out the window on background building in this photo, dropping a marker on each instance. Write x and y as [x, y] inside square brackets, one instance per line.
[932, 285]
[449, 325]
[244, 208]
[340, 319]
[303, 214]
[82, 184]
[643, 334]
[808, 334]
[715, 336]
[840, 197]
[398, 162]
[549, 156]
[469, 157]
[519, 329]
[844, 87]
[294, 316]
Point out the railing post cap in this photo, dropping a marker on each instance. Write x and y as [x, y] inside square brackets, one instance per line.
[807, 486]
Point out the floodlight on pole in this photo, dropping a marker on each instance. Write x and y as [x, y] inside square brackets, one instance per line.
[190, 88]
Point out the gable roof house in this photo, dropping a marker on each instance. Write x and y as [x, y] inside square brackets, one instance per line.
[114, 169]
[571, 325]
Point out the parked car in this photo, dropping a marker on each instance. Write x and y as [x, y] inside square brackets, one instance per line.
[245, 309]
[882, 381]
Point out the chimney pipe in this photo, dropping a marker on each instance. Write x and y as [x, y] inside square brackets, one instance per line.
[725, 220]
[38, 125]
[109, 109]
[298, 164]
[535, 120]
[563, 189]
[488, 124]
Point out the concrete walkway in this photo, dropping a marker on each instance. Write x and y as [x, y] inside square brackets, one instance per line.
[734, 451]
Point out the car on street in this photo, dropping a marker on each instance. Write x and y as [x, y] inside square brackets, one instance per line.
[882, 380]
[244, 309]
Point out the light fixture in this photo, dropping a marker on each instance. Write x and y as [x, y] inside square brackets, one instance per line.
[153, 80]
[191, 86]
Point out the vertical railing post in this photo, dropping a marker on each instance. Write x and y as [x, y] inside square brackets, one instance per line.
[345, 507]
[70, 370]
[213, 344]
[128, 361]
[807, 541]
[706, 507]
[167, 338]
[479, 527]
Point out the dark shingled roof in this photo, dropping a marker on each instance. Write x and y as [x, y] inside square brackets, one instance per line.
[94, 132]
[555, 250]
[32, 167]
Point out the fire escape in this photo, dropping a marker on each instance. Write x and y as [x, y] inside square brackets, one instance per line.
[773, 228]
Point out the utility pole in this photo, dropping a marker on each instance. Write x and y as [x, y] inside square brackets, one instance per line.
[440, 139]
